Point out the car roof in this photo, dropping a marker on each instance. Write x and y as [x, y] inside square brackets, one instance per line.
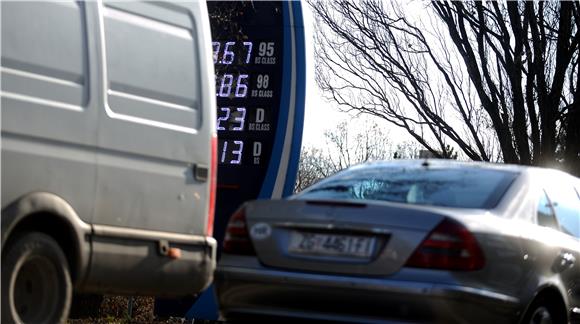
[443, 163]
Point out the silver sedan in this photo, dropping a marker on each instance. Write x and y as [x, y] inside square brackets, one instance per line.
[420, 241]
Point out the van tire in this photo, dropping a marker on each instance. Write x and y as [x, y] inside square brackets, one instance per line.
[36, 282]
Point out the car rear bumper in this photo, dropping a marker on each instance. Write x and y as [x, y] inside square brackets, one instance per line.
[248, 291]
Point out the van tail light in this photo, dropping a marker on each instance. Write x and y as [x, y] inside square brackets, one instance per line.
[237, 239]
[212, 186]
[449, 246]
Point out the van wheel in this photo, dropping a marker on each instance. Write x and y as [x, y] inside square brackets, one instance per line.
[36, 284]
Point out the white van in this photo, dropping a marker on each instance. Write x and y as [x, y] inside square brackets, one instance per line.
[108, 152]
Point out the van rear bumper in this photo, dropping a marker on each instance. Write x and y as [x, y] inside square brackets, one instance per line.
[136, 262]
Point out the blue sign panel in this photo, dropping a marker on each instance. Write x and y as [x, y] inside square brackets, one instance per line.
[260, 84]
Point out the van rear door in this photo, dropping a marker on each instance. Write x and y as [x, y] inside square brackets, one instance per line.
[158, 116]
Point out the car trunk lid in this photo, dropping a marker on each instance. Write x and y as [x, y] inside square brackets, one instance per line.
[347, 237]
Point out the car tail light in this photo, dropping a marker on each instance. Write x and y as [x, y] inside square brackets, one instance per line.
[449, 246]
[212, 186]
[237, 239]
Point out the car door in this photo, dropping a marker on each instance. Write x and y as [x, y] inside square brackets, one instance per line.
[158, 118]
[566, 204]
[538, 241]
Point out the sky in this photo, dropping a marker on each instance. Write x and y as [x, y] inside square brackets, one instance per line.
[321, 115]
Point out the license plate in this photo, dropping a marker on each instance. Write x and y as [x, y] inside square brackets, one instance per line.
[331, 244]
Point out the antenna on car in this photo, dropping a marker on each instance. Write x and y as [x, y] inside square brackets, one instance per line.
[425, 163]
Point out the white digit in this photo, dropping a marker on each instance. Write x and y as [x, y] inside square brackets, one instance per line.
[226, 87]
[249, 45]
[216, 50]
[228, 55]
[240, 119]
[224, 118]
[224, 149]
[238, 152]
[241, 88]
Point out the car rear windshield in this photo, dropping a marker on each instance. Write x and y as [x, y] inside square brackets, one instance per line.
[451, 187]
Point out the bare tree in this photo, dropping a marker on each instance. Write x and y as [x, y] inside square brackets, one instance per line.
[497, 80]
[347, 144]
[314, 166]
[407, 150]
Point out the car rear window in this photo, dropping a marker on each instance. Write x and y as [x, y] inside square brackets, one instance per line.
[451, 187]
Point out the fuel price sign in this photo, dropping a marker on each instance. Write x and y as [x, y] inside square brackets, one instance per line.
[258, 54]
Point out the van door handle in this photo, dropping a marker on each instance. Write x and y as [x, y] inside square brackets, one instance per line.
[200, 172]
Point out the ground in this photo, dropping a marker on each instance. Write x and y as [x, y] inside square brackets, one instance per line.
[115, 309]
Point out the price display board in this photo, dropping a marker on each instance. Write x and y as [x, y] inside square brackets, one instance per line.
[258, 54]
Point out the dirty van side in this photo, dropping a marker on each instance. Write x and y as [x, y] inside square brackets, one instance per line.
[108, 152]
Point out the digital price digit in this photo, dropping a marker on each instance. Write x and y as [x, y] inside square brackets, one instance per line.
[241, 89]
[226, 83]
[249, 46]
[231, 152]
[241, 119]
[216, 49]
[238, 152]
[228, 55]
[224, 118]
[231, 116]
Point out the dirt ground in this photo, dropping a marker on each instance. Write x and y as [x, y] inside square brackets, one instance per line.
[111, 309]
[115, 309]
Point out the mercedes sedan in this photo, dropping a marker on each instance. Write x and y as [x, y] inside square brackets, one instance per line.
[421, 241]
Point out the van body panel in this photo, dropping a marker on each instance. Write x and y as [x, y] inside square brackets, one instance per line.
[66, 170]
[46, 60]
[163, 106]
[109, 108]
[49, 118]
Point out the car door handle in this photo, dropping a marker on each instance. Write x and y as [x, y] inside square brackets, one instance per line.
[568, 259]
[564, 261]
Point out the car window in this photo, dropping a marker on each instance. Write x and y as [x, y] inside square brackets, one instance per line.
[448, 187]
[545, 213]
[567, 207]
